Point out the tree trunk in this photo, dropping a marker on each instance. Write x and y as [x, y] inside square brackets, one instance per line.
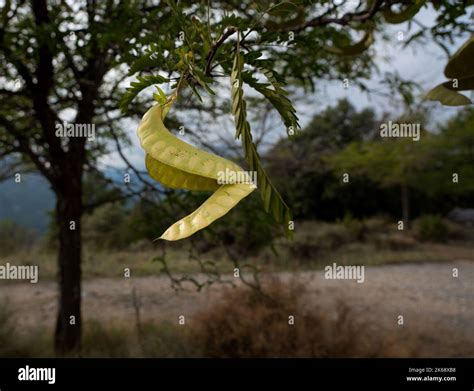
[68, 217]
[405, 206]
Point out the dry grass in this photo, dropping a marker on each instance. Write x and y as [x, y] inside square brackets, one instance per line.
[370, 242]
[20, 343]
[244, 324]
[249, 324]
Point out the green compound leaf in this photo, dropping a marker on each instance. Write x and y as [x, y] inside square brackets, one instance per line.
[138, 86]
[276, 95]
[447, 97]
[272, 200]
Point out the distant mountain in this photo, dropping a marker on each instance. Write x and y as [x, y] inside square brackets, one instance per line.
[27, 203]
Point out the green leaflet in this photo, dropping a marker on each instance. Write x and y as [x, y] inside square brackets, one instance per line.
[447, 97]
[353, 50]
[276, 96]
[460, 69]
[466, 84]
[461, 65]
[138, 86]
[179, 165]
[404, 15]
[286, 22]
[272, 200]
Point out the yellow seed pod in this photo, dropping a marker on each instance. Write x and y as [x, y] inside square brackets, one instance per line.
[179, 165]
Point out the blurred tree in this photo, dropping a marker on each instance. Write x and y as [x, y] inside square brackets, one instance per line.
[105, 228]
[451, 155]
[391, 161]
[302, 172]
[63, 61]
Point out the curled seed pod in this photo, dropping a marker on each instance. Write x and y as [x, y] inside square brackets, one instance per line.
[179, 165]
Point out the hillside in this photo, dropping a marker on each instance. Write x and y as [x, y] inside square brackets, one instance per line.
[27, 203]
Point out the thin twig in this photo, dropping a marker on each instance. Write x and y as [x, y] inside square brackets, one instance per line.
[210, 56]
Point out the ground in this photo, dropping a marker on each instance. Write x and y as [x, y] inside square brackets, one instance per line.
[437, 308]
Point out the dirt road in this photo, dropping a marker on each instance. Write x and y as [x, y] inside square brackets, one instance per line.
[437, 307]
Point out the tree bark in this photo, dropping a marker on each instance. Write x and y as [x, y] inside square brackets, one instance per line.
[68, 217]
[405, 206]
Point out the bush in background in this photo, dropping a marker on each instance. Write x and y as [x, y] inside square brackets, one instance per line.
[14, 237]
[431, 228]
[248, 323]
[314, 237]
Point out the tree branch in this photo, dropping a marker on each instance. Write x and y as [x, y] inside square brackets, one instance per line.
[323, 20]
[210, 56]
[24, 146]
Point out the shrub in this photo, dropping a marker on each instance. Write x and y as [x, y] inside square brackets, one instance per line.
[355, 227]
[247, 229]
[166, 340]
[431, 228]
[249, 324]
[14, 237]
[105, 228]
[313, 237]
[16, 345]
[106, 341]
[394, 241]
[377, 224]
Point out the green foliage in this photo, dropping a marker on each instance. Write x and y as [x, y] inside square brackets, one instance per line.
[167, 340]
[272, 200]
[14, 237]
[354, 226]
[447, 96]
[460, 69]
[247, 230]
[106, 227]
[388, 161]
[312, 239]
[301, 169]
[276, 95]
[461, 63]
[147, 216]
[431, 228]
[136, 87]
[62, 57]
[148, 61]
[14, 344]
[202, 43]
[451, 152]
[104, 342]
